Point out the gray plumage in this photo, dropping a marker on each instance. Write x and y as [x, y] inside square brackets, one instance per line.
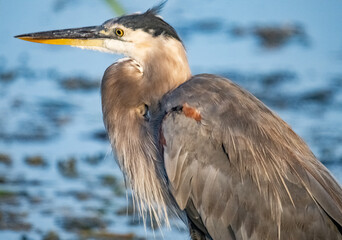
[242, 170]
[201, 147]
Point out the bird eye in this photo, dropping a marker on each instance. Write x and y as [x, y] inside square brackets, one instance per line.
[119, 32]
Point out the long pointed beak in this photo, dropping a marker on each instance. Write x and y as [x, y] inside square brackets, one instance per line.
[86, 36]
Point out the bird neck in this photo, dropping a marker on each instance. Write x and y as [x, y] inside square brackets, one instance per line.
[165, 67]
[131, 137]
[126, 85]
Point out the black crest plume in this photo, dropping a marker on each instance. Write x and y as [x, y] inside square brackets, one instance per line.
[155, 10]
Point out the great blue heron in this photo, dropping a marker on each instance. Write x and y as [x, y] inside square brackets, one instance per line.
[200, 146]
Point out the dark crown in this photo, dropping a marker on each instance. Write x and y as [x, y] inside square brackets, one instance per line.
[148, 22]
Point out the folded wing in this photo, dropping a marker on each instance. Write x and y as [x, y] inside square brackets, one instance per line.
[239, 171]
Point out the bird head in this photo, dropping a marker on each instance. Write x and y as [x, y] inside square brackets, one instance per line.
[132, 35]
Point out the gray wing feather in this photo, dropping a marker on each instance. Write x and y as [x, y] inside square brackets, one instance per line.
[244, 172]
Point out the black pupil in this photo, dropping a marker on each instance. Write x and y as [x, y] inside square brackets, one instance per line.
[119, 32]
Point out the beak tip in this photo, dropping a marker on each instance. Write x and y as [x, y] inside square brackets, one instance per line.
[22, 36]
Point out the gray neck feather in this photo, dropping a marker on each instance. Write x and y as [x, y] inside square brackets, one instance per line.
[124, 88]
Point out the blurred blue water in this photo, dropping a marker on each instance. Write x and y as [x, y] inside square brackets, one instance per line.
[315, 64]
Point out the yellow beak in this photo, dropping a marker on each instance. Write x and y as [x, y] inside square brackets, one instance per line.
[87, 36]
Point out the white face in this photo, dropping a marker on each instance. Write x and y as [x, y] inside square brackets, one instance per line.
[133, 43]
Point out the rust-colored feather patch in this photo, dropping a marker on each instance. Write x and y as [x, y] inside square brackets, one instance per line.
[162, 139]
[191, 112]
